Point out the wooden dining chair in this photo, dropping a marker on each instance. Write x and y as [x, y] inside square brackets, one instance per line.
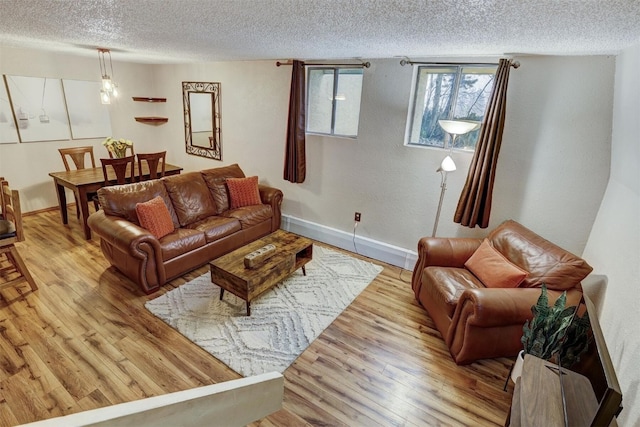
[121, 166]
[79, 155]
[15, 271]
[3, 183]
[155, 161]
[1, 199]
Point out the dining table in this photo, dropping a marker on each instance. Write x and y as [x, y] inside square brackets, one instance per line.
[85, 181]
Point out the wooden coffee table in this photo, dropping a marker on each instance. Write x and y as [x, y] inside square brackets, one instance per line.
[229, 272]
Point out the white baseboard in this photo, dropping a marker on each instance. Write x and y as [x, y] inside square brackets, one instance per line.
[375, 249]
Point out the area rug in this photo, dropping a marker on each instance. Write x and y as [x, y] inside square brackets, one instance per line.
[283, 321]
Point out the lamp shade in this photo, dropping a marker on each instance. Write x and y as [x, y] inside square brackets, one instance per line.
[447, 165]
[458, 127]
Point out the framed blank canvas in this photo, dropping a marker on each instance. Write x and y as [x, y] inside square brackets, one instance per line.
[88, 117]
[38, 103]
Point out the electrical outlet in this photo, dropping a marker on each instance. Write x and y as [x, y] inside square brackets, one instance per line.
[357, 216]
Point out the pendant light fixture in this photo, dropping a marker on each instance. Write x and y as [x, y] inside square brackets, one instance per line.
[109, 88]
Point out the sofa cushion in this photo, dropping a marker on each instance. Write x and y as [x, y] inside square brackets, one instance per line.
[216, 181]
[493, 269]
[251, 215]
[154, 216]
[446, 284]
[191, 197]
[216, 227]
[181, 241]
[546, 262]
[121, 200]
[243, 192]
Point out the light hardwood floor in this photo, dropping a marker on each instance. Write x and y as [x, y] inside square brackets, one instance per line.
[84, 340]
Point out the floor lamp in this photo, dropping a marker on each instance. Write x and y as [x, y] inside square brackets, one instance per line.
[454, 128]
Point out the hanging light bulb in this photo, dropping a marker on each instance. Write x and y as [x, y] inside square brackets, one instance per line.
[104, 97]
[109, 87]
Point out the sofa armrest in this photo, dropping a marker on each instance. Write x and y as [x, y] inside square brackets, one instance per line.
[273, 197]
[490, 307]
[120, 233]
[488, 322]
[442, 252]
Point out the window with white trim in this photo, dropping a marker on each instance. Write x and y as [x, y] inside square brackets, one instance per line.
[333, 100]
[448, 92]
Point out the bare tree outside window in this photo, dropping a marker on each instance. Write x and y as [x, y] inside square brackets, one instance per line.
[451, 92]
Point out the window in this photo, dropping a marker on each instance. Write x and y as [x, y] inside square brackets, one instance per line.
[333, 100]
[448, 92]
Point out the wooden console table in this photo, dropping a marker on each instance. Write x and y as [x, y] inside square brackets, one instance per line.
[537, 397]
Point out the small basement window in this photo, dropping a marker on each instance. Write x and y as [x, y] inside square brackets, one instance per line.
[333, 100]
[448, 92]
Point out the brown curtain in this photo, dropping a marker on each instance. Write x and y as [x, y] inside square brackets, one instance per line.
[474, 206]
[294, 162]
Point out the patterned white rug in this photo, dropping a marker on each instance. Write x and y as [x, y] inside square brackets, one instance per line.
[283, 321]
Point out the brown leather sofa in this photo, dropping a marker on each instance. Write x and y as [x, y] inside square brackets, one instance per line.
[478, 321]
[205, 227]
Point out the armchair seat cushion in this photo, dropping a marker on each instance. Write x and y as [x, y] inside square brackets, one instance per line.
[452, 282]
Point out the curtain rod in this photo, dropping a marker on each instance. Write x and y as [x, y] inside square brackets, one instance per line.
[362, 65]
[404, 62]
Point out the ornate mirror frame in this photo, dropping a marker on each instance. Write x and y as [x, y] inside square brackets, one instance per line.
[213, 148]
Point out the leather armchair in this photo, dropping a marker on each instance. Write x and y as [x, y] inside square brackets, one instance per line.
[480, 322]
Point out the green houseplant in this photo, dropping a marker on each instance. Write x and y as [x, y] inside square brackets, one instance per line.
[554, 331]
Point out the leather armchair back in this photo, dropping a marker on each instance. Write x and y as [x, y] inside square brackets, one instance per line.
[546, 262]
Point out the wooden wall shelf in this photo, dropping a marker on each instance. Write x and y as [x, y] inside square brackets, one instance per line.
[152, 120]
[148, 99]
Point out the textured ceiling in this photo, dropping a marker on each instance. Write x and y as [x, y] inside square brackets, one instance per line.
[167, 31]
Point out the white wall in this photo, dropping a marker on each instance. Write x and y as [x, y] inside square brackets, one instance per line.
[613, 247]
[27, 165]
[551, 175]
[559, 114]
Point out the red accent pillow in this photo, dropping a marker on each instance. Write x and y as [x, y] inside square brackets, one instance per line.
[493, 269]
[243, 192]
[154, 216]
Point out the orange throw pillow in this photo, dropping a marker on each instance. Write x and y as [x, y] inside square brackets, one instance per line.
[493, 269]
[154, 216]
[243, 192]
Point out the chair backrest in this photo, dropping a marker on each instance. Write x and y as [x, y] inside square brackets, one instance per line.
[11, 211]
[120, 166]
[153, 160]
[127, 148]
[78, 155]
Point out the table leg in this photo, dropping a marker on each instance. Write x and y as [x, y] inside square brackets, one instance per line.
[304, 271]
[248, 308]
[81, 196]
[221, 293]
[62, 202]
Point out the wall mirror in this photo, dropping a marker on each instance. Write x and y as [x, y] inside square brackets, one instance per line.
[202, 119]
